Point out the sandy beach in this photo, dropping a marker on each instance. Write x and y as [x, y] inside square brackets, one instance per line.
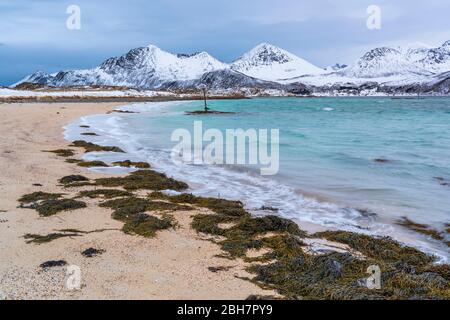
[173, 265]
[208, 249]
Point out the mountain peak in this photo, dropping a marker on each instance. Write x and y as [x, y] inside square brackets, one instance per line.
[152, 46]
[446, 44]
[378, 53]
[271, 63]
[266, 53]
[265, 45]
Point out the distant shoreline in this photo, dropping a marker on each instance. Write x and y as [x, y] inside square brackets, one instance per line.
[79, 99]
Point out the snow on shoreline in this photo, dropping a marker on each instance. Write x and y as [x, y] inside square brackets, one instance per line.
[11, 93]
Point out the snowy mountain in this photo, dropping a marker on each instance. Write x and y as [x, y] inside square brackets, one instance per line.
[336, 67]
[436, 59]
[224, 79]
[413, 60]
[381, 62]
[415, 68]
[271, 63]
[146, 67]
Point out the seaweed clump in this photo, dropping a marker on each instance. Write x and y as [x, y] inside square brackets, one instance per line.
[406, 273]
[92, 147]
[63, 152]
[126, 208]
[40, 239]
[39, 196]
[378, 248]
[91, 252]
[105, 193]
[244, 231]
[147, 226]
[420, 228]
[128, 163]
[53, 263]
[284, 265]
[73, 179]
[51, 207]
[143, 179]
[48, 204]
[73, 160]
[132, 210]
[95, 163]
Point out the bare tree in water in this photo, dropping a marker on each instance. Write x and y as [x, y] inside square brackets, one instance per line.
[204, 89]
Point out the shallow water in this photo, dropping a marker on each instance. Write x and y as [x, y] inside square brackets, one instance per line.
[327, 151]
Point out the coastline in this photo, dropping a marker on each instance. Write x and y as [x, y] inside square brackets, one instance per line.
[173, 265]
[318, 212]
[175, 262]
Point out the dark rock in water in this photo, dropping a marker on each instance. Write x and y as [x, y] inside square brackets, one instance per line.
[266, 208]
[91, 252]
[123, 111]
[53, 263]
[380, 160]
[367, 213]
[442, 181]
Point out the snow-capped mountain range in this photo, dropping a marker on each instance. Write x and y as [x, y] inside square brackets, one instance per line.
[264, 67]
[385, 62]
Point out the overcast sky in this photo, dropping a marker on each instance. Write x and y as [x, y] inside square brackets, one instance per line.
[34, 35]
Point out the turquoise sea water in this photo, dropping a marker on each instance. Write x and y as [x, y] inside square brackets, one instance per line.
[327, 152]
